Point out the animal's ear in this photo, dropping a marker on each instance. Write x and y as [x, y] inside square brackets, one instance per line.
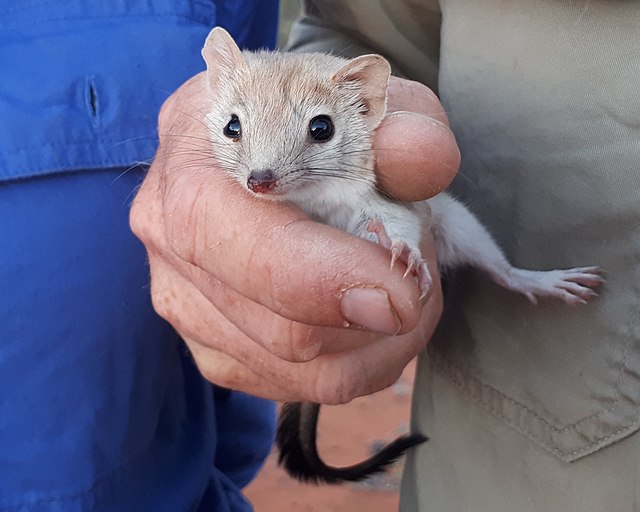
[222, 55]
[369, 74]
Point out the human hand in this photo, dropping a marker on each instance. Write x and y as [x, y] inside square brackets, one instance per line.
[260, 293]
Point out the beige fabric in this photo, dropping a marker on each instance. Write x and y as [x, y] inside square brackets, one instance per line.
[406, 32]
[523, 404]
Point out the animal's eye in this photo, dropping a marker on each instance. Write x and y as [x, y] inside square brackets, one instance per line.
[321, 129]
[233, 129]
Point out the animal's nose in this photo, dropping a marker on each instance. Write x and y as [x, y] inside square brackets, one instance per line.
[262, 181]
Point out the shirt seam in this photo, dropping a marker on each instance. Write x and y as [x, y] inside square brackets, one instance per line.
[143, 138]
[448, 369]
[162, 15]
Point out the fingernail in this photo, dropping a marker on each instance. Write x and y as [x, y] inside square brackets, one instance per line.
[370, 308]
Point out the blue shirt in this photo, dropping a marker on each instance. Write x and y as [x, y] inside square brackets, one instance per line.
[101, 406]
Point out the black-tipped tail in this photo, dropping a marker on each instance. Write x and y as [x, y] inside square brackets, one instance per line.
[296, 440]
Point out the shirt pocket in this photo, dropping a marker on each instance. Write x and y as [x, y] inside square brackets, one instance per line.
[566, 378]
[102, 74]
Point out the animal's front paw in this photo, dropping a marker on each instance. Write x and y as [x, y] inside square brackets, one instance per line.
[400, 250]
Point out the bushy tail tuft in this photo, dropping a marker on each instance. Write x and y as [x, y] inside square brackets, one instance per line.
[296, 440]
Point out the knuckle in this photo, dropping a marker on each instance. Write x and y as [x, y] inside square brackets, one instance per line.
[340, 389]
[390, 378]
[137, 219]
[297, 343]
[208, 373]
[163, 296]
[166, 115]
[231, 377]
[215, 366]
[163, 304]
[143, 219]
[140, 226]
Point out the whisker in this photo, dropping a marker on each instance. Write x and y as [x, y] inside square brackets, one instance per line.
[129, 169]
[141, 137]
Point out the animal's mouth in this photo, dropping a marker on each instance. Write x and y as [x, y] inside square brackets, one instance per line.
[263, 182]
[272, 194]
[263, 188]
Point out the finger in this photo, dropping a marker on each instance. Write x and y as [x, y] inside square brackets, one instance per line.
[224, 355]
[331, 378]
[213, 341]
[339, 378]
[416, 156]
[287, 339]
[223, 370]
[410, 96]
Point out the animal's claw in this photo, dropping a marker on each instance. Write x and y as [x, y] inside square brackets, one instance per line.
[401, 251]
[398, 247]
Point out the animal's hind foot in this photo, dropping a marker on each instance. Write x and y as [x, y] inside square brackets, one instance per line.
[573, 286]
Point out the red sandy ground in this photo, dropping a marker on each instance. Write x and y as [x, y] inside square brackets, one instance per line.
[346, 434]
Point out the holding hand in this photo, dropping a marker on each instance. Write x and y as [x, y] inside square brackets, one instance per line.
[268, 301]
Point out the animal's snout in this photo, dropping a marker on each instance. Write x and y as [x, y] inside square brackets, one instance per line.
[262, 181]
